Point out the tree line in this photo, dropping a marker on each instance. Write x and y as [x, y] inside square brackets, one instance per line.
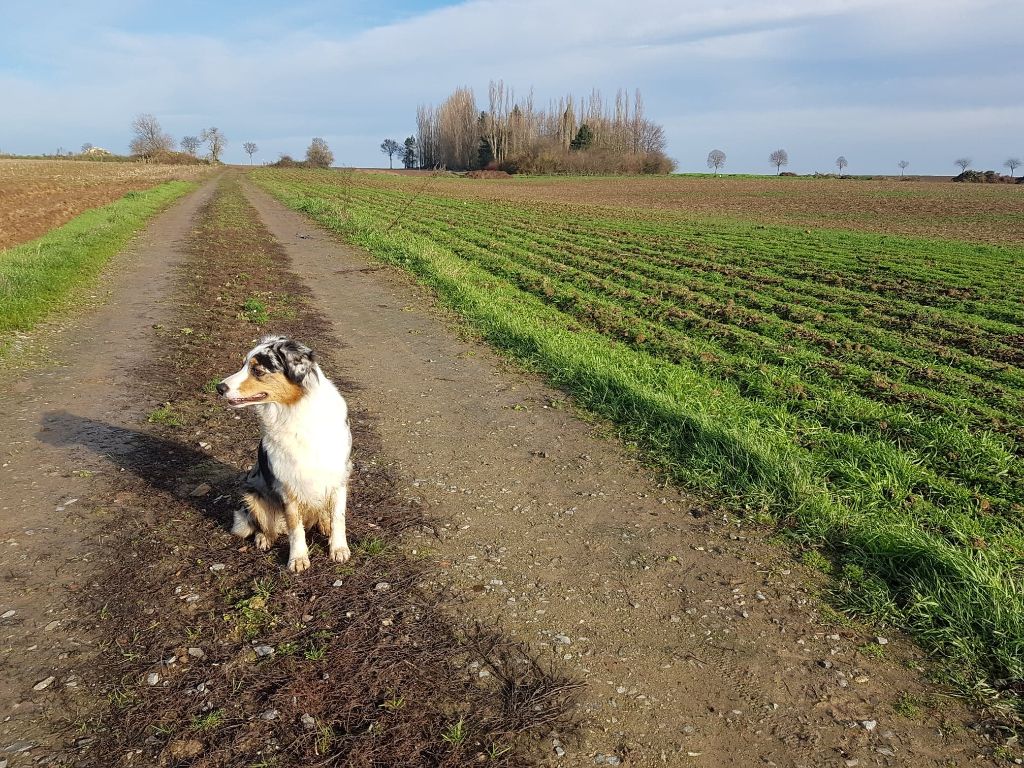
[591, 135]
[780, 158]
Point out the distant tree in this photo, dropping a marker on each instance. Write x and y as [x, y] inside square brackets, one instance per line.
[779, 158]
[1013, 164]
[318, 154]
[88, 146]
[250, 149]
[390, 147]
[484, 153]
[963, 162]
[716, 159]
[584, 139]
[409, 152]
[215, 140]
[190, 144]
[841, 164]
[148, 137]
[903, 164]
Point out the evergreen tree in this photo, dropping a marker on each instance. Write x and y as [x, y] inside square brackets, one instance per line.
[584, 138]
[409, 153]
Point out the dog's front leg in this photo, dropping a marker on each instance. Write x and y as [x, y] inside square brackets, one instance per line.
[298, 552]
[339, 544]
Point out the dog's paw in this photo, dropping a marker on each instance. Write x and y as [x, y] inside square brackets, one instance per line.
[298, 564]
[262, 542]
[341, 554]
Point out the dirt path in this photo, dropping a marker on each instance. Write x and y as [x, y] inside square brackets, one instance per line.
[45, 549]
[701, 643]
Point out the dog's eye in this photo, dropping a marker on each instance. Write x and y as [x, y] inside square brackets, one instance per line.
[257, 372]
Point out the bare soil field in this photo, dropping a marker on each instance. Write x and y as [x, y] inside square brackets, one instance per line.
[977, 213]
[38, 195]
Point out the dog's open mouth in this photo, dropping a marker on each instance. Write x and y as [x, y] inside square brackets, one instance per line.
[236, 402]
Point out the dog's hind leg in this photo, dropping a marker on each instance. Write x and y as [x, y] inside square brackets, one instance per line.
[339, 544]
[243, 527]
[264, 512]
[298, 552]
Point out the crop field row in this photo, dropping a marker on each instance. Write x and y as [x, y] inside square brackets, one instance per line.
[39, 195]
[978, 213]
[864, 389]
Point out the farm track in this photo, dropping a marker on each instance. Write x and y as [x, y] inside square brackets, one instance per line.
[701, 644]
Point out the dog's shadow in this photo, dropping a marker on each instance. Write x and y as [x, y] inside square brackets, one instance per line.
[156, 462]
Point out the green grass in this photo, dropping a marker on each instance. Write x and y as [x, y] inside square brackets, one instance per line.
[863, 389]
[44, 275]
[165, 416]
[255, 311]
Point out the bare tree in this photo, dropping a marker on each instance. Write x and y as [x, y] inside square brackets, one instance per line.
[87, 147]
[716, 159]
[1013, 164]
[148, 137]
[841, 164]
[190, 144]
[903, 165]
[250, 149]
[779, 158]
[215, 140]
[963, 162]
[390, 147]
[318, 154]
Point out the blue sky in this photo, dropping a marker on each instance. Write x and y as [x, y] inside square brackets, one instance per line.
[875, 80]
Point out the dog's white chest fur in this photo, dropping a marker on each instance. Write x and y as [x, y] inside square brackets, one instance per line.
[309, 444]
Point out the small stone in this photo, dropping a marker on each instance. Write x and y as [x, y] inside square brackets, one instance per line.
[42, 685]
[339, 582]
[201, 490]
[852, 762]
[51, 626]
[217, 567]
[308, 721]
[307, 617]
[688, 729]
[882, 640]
[869, 725]
[825, 663]
[196, 653]
[7, 614]
[382, 586]
[19, 746]
[559, 752]
[152, 678]
[264, 650]
[270, 714]
[885, 751]
[563, 639]
[760, 596]
[620, 690]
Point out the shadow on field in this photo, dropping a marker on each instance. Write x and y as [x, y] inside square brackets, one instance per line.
[164, 465]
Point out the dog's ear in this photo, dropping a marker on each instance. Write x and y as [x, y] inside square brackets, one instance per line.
[298, 360]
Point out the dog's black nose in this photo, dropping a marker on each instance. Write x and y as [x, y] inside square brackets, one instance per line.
[222, 388]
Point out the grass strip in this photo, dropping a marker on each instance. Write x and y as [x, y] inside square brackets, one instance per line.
[41, 276]
[899, 559]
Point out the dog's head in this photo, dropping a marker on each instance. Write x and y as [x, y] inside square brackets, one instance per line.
[277, 370]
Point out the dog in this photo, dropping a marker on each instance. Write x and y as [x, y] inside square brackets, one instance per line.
[304, 461]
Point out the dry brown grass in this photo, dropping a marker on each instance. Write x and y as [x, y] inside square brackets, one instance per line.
[38, 195]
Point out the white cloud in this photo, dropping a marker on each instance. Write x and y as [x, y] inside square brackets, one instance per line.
[877, 72]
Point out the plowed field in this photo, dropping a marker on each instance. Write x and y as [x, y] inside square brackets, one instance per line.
[38, 195]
